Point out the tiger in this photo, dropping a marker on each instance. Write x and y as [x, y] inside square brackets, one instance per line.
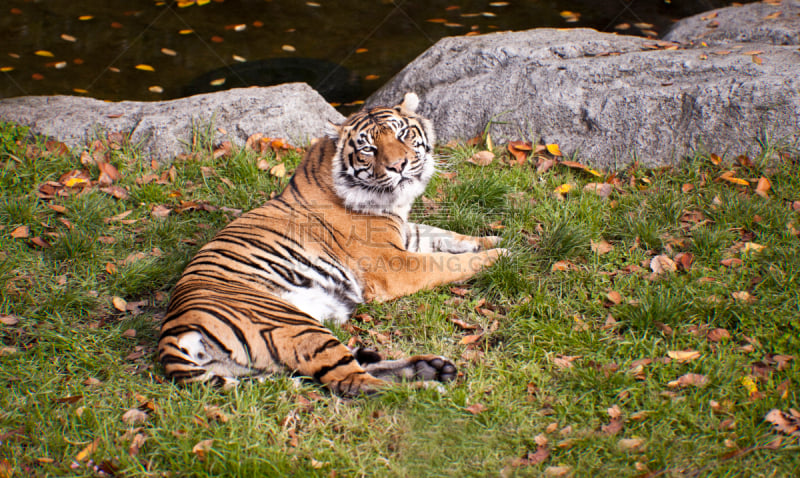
[254, 301]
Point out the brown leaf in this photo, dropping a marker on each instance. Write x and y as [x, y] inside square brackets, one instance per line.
[614, 426]
[476, 408]
[9, 319]
[91, 382]
[202, 448]
[557, 471]
[136, 444]
[213, 413]
[463, 325]
[782, 422]
[563, 266]
[470, 339]
[532, 458]
[601, 247]
[731, 262]
[684, 261]
[130, 333]
[519, 150]
[110, 170]
[662, 264]
[565, 361]
[160, 210]
[459, 291]
[482, 158]
[718, 334]
[762, 188]
[603, 190]
[545, 165]
[279, 170]
[117, 191]
[222, 150]
[689, 379]
[743, 296]
[38, 241]
[630, 444]
[21, 232]
[134, 416]
[614, 297]
[119, 303]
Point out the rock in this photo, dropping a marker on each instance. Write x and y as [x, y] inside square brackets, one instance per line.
[610, 98]
[293, 111]
[777, 24]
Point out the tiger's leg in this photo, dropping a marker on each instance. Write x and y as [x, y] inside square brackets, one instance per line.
[418, 367]
[422, 238]
[400, 273]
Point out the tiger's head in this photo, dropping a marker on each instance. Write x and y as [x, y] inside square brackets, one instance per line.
[383, 158]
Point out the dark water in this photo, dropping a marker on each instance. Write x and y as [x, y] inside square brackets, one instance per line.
[346, 49]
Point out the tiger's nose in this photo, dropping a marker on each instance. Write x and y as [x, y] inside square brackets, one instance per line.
[398, 166]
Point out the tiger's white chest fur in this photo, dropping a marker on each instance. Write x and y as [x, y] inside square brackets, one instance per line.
[320, 304]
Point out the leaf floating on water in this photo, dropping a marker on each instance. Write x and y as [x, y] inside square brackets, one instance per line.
[144, 67]
[240, 59]
[185, 31]
[43, 53]
[288, 48]
[169, 52]
[217, 82]
[155, 89]
[68, 38]
[84, 18]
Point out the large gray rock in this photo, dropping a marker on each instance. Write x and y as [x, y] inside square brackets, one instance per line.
[754, 22]
[293, 111]
[611, 98]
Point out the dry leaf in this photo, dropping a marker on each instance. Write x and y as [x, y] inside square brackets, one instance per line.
[279, 170]
[563, 189]
[662, 264]
[202, 448]
[134, 416]
[119, 303]
[482, 158]
[562, 266]
[520, 150]
[630, 444]
[786, 423]
[160, 210]
[603, 190]
[21, 232]
[470, 339]
[690, 379]
[684, 260]
[213, 413]
[762, 188]
[752, 247]
[729, 176]
[86, 452]
[9, 319]
[476, 408]
[731, 262]
[718, 334]
[683, 355]
[615, 297]
[601, 247]
[557, 471]
[743, 296]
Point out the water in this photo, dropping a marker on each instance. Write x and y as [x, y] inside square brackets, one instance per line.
[155, 50]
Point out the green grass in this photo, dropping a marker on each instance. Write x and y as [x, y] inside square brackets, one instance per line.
[556, 353]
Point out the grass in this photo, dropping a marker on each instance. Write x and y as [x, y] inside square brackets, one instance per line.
[555, 352]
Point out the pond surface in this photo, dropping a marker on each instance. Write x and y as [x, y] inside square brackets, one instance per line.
[155, 50]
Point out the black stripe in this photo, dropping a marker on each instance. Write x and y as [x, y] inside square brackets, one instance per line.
[328, 368]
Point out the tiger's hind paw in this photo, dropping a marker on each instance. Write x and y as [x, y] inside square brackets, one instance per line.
[433, 367]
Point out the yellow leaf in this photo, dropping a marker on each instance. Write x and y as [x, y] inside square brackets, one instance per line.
[552, 148]
[749, 384]
[715, 159]
[279, 170]
[564, 189]
[144, 67]
[72, 182]
[91, 448]
[752, 247]
[683, 355]
[489, 141]
[185, 31]
[594, 172]
[84, 18]
[119, 303]
[43, 53]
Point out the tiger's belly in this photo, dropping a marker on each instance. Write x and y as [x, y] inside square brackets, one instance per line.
[328, 294]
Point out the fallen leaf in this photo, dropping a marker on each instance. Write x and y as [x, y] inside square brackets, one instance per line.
[562, 266]
[565, 361]
[553, 149]
[683, 355]
[201, 449]
[9, 319]
[557, 471]
[134, 416]
[144, 67]
[279, 170]
[684, 260]
[119, 303]
[482, 158]
[731, 262]
[762, 187]
[476, 408]
[563, 189]
[160, 210]
[630, 444]
[743, 296]
[615, 297]
[729, 176]
[21, 232]
[520, 150]
[718, 334]
[662, 264]
[88, 450]
[786, 423]
[601, 247]
[470, 339]
[752, 247]
[109, 170]
[213, 413]
[690, 379]
[603, 190]
[136, 444]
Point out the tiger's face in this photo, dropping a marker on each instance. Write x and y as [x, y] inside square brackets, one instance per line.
[384, 158]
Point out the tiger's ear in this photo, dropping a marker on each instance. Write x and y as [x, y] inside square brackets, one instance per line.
[410, 103]
[332, 130]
